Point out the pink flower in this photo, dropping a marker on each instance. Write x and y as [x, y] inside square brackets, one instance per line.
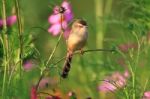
[33, 94]
[113, 82]
[127, 46]
[44, 82]
[146, 95]
[106, 86]
[9, 20]
[29, 65]
[59, 20]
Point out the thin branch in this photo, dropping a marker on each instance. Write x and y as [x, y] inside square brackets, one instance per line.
[51, 55]
[86, 51]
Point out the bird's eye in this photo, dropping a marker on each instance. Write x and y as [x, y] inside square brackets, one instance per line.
[81, 26]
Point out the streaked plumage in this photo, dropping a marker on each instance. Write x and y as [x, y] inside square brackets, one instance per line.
[76, 41]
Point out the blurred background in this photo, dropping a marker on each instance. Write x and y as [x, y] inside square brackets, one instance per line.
[121, 25]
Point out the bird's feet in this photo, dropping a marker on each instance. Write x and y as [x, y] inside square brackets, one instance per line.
[81, 51]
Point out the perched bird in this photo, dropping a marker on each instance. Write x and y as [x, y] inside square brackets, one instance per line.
[76, 41]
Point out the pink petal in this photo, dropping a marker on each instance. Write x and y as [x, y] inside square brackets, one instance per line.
[118, 79]
[44, 82]
[11, 20]
[106, 87]
[68, 11]
[28, 65]
[54, 19]
[147, 94]
[66, 33]
[33, 94]
[68, 16]
[64, 25]
[66, 5]
[55, 29]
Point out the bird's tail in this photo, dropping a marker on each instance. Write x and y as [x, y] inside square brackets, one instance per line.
[67, 65]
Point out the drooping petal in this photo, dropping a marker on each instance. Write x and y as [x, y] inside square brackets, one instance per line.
[67, 6]
[54, 18]
[68, 11]
[64, 24]
[11, 20]
[66, 33]
[55, 29]
[68, 16]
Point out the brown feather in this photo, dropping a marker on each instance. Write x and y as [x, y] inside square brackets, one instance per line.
[67, 66]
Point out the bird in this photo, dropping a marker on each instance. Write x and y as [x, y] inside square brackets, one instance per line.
[76, 41]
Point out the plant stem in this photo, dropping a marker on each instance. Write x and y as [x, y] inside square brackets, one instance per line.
[133, 79]
[51, 55]
[5, 47]
[19, 34]
[85, 51]
[100, 31]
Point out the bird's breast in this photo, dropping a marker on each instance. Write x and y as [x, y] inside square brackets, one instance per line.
[76, 41]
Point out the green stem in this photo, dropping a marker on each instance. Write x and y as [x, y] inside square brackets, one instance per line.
[100, 31]
[5, 47]
[133, 79]
[51, 55]
[126, 93]
[19, 34]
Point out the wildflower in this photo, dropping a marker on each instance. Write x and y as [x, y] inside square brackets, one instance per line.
[146, 95]
[127, 46]
[33, 94]
[116, 80]
[59, 20]
[44, 82]
[9, 21]
[28, 65]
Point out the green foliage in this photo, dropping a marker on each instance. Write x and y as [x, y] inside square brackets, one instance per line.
[123, 22]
